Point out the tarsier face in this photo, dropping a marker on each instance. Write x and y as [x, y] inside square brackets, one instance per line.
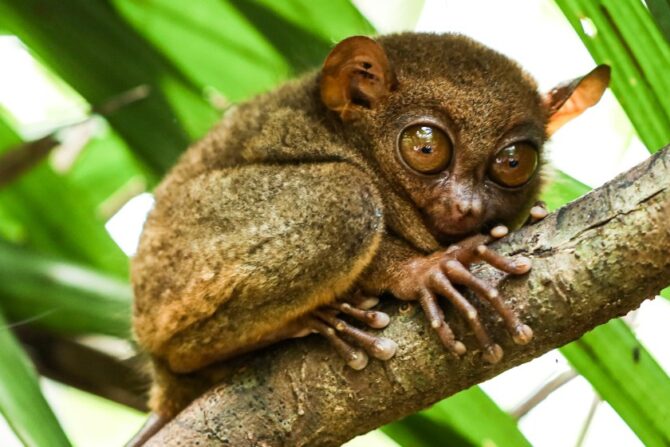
[455, 126]
[458, 190]
[465, 153]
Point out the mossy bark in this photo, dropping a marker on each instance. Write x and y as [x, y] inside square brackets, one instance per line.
[594, 259]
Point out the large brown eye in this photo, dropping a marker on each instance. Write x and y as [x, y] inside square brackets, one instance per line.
[514, 165]
[425, 149]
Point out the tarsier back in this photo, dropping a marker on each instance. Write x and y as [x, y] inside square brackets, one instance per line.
[387, 171]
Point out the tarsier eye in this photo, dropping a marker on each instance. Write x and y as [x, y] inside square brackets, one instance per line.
[514, 165]
[426, 149]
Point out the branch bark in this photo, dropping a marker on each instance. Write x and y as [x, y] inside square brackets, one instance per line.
[594, 259]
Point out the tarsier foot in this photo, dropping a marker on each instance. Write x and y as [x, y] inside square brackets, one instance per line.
[327, 322]
[435, 275]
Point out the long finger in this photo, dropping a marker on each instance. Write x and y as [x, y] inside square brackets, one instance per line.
[521, 334]
[516, 266]
[538, 212]
[436, 318]
[456, 272]
[356, 359]
[373, 318]
[443, 287]
[379, 347]
[362, 301]
[499, 231]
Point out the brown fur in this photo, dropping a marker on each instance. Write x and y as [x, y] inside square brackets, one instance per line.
[287, 203]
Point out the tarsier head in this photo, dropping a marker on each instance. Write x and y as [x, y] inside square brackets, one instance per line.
[456, 126]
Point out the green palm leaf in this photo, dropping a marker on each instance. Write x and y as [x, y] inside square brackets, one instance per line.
[21, 401]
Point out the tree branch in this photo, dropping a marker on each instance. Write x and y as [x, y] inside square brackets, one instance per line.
[73, 363]
[594, 259]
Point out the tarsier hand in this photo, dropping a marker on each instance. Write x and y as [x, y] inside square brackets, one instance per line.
[427, 278]
[424, 279]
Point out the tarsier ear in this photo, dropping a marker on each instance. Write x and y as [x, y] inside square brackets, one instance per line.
[570, 99]
[356, 75]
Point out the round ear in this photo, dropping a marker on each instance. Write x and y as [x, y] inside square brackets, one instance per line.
[571, 98]
[355, 75]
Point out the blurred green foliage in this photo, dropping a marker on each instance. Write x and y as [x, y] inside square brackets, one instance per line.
[21, 401]
[46, 212]
[626, 37]
[469, 418]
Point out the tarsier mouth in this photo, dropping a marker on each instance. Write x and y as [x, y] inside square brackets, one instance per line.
[448, 230]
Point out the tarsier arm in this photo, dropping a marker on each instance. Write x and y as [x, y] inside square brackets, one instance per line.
[279, 242]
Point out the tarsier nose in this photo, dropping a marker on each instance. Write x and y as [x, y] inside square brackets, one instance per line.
[470, 206]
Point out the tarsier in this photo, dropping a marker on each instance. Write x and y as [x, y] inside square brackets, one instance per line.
[388, 170]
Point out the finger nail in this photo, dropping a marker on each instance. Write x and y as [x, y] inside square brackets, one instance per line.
[499, 231]
[523, 336]
[522, 264]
